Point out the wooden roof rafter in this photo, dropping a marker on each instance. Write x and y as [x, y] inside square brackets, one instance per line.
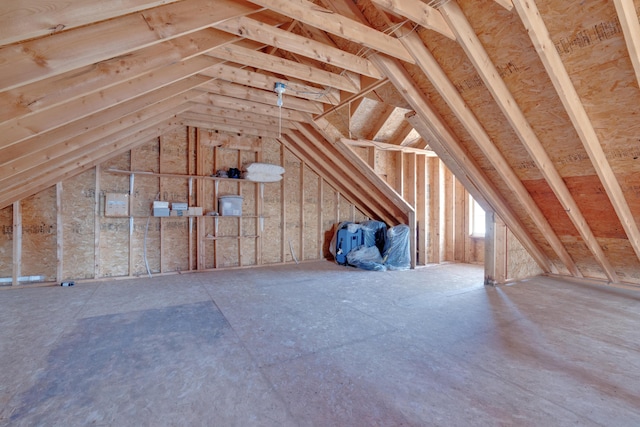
[65, 87]
[439, 79]
[631, 27]
[286, 40]
[280, 66]
[336, 24]
[267, 82]
[420, 13]
[476, 53]
[537, 30]
[37, 59]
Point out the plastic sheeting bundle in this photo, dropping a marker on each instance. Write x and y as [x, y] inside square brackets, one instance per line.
[263, 172]
[382, 249]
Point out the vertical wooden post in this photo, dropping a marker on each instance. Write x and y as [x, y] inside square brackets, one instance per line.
[302, 222]
[131, 222]
[17, 243]
[399, 186]
[421, 208]
[96, 233]
[371, 157]
[259, 211]
[320, 217]
[160, 181]
[460, 237]
[434, 210]
[449, 216]
[240, 221]
[283, 208]
[495, 250]
[59, 234]
[410, 182]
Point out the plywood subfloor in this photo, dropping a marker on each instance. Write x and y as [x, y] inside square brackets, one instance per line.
[317, 344]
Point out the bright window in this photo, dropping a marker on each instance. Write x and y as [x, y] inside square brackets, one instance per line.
[476, 219]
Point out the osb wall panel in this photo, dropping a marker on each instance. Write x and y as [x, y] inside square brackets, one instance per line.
[78, 226]
[310, 207]
[293, 202]
[520, 265]
[39, 242]
[386, 166]
[6, 242]
[272, 234]
[362, 152]
[146, 230]
[174, 231]
[114, 232]
[329, 220]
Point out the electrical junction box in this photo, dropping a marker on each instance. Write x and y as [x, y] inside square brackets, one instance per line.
[116, 204]
[179, 206]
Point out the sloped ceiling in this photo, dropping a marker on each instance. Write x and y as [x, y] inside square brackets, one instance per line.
[532, 104]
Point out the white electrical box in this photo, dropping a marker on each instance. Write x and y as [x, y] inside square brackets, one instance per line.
[116, 204]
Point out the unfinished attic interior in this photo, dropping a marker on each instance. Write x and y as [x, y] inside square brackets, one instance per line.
[407, 112]
[394, 111]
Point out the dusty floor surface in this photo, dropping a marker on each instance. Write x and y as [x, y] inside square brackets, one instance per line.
[318, 344]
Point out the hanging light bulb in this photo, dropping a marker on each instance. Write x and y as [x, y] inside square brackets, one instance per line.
[279, 89]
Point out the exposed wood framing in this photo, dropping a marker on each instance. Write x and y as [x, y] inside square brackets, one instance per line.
[311, 14]
[67, 15]
[76, 48]
[509, 107]
[537, 30]
[631, 28]
[59, 233]
[276, 65]
[476, 182]
[267, 82]
[421, 207]
[282, 39]
[420, 13]
[17, 243]
[447, 90]
[495, 250]
[507, 4]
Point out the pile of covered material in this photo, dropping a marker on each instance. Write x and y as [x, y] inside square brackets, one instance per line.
[370, 246]
[263, 172]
